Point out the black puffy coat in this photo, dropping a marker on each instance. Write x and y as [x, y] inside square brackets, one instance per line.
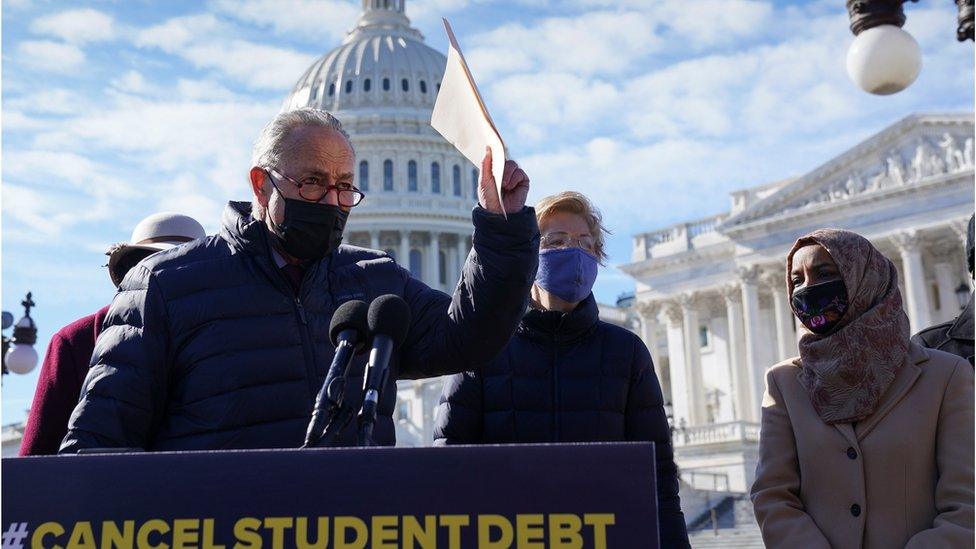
[954, 337]
[567, 377]
[206, 346]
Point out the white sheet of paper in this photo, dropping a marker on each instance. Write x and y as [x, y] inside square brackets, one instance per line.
[462, 118]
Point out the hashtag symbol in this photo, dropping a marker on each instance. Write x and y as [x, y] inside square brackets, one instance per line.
[15, 536]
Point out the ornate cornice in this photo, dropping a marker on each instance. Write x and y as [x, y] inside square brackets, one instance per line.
[951, 153]
[748, 274]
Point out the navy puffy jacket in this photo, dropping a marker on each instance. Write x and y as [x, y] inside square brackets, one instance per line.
[206, 346]
[567, 377]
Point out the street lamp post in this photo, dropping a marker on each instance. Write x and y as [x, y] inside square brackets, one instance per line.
[19, 355]
[884, 59]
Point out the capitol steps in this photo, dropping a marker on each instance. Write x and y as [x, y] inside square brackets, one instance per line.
[740, 531]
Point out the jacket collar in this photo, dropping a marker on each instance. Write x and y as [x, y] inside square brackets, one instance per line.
[904, 380]
[562, 327]
[242, 231]
[962, 328]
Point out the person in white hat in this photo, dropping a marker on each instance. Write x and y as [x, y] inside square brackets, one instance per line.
[66, 362]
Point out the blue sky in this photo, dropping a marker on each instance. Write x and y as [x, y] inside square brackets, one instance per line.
[656, 109]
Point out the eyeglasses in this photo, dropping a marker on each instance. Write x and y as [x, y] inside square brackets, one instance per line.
[564, 240]
[313, 189]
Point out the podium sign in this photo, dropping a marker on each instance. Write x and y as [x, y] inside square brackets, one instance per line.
[525, 496]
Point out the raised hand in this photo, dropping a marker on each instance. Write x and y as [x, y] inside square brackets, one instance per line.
[515, 187]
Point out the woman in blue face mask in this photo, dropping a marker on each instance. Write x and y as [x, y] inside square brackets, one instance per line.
[567, 376]
[867, 438]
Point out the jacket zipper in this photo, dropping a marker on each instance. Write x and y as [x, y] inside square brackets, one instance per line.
[556, 424]
[307, 350]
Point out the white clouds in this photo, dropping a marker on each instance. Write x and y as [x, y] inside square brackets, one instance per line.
[177, 32]
[540, 103]
[254, 65]
[76, 26]
[601, 42]
[208, 44]
[50, 56]
[319, 21]
[131, 82]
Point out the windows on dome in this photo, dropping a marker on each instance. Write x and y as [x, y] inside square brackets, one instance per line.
[387, 175]
[386, 84]
[331, 89]
[456, 179]
[315, 92]
[348, 86]
[423, 87]
[405, 84]
[435, 178]
[412, 176]
[441, 267]
[364, 176]
[367, 84]
[474, 183]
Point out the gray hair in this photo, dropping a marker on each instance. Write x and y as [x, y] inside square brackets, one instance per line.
[268, 148]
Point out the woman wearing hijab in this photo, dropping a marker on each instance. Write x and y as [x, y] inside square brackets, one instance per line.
[567, 376]
[867, 439]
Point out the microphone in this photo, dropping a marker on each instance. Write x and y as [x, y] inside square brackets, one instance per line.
[348, 332]
[388, 321]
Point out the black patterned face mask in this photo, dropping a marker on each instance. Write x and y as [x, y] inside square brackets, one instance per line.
[821, 306]
[309, 231]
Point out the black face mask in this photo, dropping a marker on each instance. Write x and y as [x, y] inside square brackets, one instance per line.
[310, 231]
[821, 306]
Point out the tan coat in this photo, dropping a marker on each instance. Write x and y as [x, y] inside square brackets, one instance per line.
[903, 477]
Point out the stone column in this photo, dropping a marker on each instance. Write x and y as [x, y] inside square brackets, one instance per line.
[749, 277]
[648, 312]
[695, 387]
[910, 246]
[374, 240]
[462, 256]
[946, 278]
[434, 261]
[676, 363]
[738, 374]
[404, 254]
[775, 281]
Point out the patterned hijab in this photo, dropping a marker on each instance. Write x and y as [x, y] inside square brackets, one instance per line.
[847, 370]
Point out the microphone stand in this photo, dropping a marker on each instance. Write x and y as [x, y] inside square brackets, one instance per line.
[374, 380]
[338, 414]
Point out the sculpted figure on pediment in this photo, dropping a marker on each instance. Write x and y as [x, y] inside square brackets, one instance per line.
[920, 163]
[954, 160]
[967, 153]
[895, 169]
[854, 184]
[879, 181]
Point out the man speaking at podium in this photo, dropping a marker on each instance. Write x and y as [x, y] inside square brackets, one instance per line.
[223, 343]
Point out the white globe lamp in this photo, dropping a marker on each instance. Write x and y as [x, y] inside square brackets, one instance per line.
[884, 60]
[21, 358]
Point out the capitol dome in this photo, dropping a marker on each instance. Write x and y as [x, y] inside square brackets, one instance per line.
[381, 84]
[383, 62]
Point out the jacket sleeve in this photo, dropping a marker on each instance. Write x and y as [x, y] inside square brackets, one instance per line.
[459, 418]
[454, 334]
[647, 420]
[953, 525]
[776, 490]
[56, 395]
[123, 397]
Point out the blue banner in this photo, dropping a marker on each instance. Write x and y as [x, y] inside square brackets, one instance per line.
[494, 497]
